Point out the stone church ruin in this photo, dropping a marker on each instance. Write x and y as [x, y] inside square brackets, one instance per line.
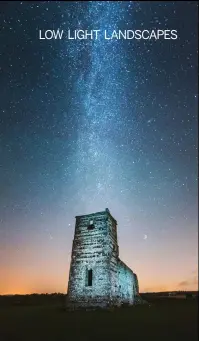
[98, 278]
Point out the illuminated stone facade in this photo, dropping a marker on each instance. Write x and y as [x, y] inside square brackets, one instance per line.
[98, 278]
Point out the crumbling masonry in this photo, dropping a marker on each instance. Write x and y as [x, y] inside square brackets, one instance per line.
[98, 278]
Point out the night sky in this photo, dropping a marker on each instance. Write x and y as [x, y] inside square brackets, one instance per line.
[90, 124]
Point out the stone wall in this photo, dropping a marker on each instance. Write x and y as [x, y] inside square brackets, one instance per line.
[126, 284]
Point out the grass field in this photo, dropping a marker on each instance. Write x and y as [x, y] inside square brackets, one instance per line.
[168, 319]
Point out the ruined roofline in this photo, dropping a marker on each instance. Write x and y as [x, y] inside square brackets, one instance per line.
[96, 213]
[123, 264]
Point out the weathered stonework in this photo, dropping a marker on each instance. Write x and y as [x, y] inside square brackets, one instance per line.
[98, 278]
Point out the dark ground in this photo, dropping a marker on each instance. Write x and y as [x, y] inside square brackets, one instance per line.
[166, 319]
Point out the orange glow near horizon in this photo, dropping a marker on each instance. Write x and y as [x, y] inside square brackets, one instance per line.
[38, 274]
[23, 288]
[39, 262]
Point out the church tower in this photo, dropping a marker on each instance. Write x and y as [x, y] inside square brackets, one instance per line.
[97, 276]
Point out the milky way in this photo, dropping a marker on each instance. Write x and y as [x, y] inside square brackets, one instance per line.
[100, 92]
[92, 124]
